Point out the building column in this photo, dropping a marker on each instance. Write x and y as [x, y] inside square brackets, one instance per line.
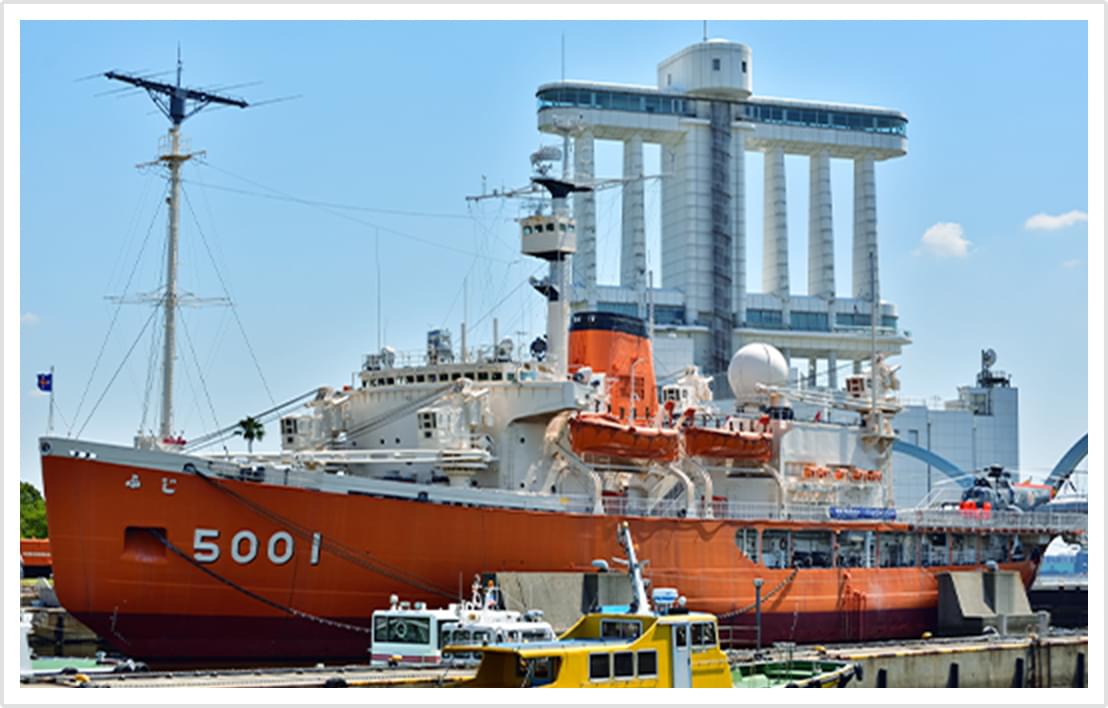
[775, 235]
[738, 219]
[832, 370]
[821, 241]
[584, 213]
[632, 267]
[813, 380]
[865, 230]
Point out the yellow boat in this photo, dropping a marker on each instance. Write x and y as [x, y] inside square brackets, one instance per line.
[614, 651]
[667, 647]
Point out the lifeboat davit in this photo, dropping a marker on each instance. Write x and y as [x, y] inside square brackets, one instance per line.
[728, 444]
[594, 434]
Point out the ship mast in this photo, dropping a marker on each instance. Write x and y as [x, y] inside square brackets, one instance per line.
[177, 103]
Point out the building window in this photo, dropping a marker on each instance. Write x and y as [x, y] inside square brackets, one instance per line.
[744, 67]
[669, 79]
[715, 65]
[769, 319]
[808, 321]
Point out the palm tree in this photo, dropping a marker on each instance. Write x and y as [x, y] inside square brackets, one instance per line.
[250, 429]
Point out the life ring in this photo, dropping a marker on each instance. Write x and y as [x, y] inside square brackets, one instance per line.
[401, 630]
[783, 544]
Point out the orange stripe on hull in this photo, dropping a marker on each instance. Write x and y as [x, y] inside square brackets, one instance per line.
[140, 596]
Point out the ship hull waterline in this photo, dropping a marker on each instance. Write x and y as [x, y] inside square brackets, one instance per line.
[273, 597]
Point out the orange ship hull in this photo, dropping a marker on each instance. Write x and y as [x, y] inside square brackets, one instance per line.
[725, 444]
[600, 435]
[290, 599]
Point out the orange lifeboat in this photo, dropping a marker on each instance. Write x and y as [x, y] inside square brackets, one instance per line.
[594, 434]
[728, 444]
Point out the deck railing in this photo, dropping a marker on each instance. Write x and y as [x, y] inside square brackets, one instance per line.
[958, 519]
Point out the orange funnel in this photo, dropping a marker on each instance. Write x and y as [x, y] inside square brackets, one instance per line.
[617, 346]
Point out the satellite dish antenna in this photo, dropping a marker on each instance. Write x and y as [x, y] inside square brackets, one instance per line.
[988, 358]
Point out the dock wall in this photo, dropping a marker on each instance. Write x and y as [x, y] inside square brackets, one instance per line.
[998, 663]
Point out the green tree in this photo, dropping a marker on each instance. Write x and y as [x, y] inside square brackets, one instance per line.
[250, 429]
[32, 512]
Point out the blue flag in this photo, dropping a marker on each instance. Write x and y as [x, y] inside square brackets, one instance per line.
[45, 382]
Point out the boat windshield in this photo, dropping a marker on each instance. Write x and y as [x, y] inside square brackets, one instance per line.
[538, 671]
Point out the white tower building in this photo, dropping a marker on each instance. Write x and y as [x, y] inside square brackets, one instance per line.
[705, 117]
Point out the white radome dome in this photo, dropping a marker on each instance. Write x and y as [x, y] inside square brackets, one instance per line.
[756, 363]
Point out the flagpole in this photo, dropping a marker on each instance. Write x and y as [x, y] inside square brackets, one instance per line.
[50, 419]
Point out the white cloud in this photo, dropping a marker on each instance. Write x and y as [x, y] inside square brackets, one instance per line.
[29, 318]
[1049, 222]
[1072, 263]
[945, 240]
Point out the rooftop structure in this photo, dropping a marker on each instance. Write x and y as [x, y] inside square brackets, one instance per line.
[975, 430]
[705, 117]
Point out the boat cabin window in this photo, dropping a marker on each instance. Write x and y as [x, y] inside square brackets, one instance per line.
[963, 549]
[535, 635]
[600, 667]
[812, 549]
[996, 548]
[933, 549]
[620, 629]
[446, 633]
[896, 550]
[775, 548]
[623, 664]
[539, 670]
[747, 541]
[648, 662]
[704, 635]
[682, 638]
[402, 630]
[856, 549]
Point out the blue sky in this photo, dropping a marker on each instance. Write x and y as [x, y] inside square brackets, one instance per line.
[408, 117]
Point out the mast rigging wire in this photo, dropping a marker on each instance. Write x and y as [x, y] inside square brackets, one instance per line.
[199, 370]
[118, 369]
[234, 309]
[228, 431]
[363, 222]
[115, 315]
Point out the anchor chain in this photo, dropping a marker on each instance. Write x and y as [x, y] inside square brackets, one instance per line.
[777, 588]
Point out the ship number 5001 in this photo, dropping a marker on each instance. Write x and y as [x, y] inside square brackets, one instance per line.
[279, 548]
